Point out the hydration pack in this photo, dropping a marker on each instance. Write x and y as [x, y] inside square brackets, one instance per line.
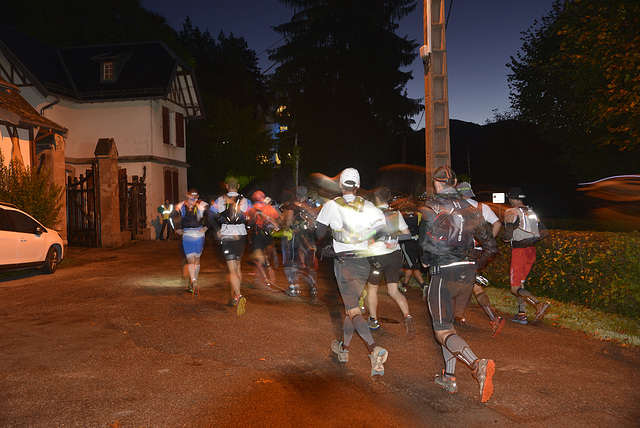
[528, 227]
[232, 213]
[190, 216]
[450, 224]
[349, 232]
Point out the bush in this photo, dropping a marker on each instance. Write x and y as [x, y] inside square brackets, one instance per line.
[31, 190]
[600, 270]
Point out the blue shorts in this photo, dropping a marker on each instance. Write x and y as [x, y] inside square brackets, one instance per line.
[193, 244]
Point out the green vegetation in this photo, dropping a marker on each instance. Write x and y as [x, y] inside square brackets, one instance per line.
[600, 270]
[625, 330]
[31, 191]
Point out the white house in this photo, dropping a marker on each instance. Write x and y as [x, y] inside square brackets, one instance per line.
[138, 94]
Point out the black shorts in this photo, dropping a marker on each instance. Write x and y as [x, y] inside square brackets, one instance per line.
[262, 239]
[410, 254]
[233, 249]
[390, 266]
[450, 288]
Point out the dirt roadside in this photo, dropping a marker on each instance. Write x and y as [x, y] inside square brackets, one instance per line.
[112, 340]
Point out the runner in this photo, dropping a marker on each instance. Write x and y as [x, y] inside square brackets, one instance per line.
[193, 217]
[354, 222]
[228, 220]
[386, 260]
[449, 225]
[263, 219]
[497, 322]
[523, 230]
[299, 244]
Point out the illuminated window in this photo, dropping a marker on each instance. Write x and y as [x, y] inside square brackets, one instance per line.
[108, 70]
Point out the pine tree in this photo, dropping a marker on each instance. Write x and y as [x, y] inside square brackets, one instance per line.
[340, 77]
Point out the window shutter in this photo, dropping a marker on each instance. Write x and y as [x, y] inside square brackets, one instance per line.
[179, 129]
[176, 197]
[166, 126]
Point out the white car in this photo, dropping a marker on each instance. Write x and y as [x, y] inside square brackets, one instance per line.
[25, 243]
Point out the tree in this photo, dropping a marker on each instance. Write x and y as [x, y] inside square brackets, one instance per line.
[31, 190]
[577, 76]
[231, 139]
[340, 78]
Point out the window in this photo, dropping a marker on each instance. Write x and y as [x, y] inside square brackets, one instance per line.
[108, 71]
[171, 185]
[179, 130]
[172, 128]
[166, 126]
[22, 222]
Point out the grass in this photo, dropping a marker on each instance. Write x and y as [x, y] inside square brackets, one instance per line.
[597, 324]
[600, 325]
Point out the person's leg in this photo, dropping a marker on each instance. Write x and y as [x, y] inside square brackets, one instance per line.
[443, 290]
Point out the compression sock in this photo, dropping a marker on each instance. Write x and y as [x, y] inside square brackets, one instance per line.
[449, 362]
[528, 297]
[348, 329]
[197, 270]
[363, 329]
[460, 349]
[485, 303]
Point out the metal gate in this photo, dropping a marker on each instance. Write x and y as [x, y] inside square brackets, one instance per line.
[133, 203]
[83, 210]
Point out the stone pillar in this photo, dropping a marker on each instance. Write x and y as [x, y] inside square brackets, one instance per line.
[108, 194]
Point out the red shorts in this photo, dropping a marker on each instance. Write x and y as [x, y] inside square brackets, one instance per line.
[522, 260]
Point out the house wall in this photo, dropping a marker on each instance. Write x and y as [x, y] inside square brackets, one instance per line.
[6, 145]
[136, 127]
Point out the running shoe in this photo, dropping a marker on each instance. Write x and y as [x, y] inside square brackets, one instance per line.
[540, 312]
[402, 287]
[484, 375]
[343, 354]
[195, 290]
[410, 327]
[293, 291]
[448, 383]
[233, 301]
[520, 318]
[242, 302]
[373, 323]
[378, 357]
[496, 325]
[190, 287]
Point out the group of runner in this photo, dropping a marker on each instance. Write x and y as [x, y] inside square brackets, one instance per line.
[449, 235]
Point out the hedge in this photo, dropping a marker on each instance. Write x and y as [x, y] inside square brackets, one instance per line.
[600, 270]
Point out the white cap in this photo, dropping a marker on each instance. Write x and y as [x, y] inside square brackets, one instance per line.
[350, 177]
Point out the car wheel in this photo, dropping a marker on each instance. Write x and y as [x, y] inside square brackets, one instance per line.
[51, 262]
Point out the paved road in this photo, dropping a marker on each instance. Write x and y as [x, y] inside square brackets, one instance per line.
[112, 340]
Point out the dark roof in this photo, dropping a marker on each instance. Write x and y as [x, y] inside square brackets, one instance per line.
[16, 110]
[143, 70]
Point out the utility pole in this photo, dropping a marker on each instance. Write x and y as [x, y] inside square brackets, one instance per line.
[436, 99]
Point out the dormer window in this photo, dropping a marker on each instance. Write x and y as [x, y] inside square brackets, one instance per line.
[111, 65]
[108, 71]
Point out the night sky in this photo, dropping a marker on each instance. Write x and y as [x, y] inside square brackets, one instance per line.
[481, 36]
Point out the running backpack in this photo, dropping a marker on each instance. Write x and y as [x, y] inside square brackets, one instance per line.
[528, 224]
[232, 213]
[449, 225]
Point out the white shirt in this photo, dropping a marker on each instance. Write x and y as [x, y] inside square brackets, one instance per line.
[362, 223]
[487, 212]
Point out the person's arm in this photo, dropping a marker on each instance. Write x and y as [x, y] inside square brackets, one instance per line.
[495, 228]
[511, 223]
[321, 230]
[483, 234]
